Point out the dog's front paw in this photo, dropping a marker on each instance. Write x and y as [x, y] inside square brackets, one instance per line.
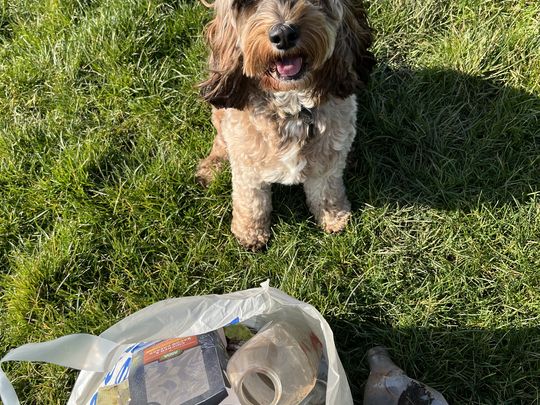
[253, 239]
[335, 221]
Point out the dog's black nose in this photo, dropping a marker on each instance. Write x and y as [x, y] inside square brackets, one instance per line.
[283, 36]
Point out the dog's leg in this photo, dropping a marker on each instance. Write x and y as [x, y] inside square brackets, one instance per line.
[252, 206]
[328, 202]
[212, 164]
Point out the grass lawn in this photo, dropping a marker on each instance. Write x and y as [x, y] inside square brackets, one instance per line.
[101, 129]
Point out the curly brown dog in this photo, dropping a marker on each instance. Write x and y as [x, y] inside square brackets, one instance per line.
[283, 78]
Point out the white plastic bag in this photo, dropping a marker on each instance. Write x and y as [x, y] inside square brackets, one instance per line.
[177, 317]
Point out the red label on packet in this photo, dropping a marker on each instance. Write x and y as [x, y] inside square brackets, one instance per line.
[161, 349]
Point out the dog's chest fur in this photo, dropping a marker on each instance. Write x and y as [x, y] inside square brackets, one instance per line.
[287, 138]
[295, 115]
[293, 121]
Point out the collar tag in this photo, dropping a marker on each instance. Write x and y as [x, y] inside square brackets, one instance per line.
[306, 115]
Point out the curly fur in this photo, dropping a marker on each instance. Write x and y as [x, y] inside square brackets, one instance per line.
[280, 129]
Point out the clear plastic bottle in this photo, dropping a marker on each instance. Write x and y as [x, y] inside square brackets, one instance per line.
[387, 384]
[278, 366]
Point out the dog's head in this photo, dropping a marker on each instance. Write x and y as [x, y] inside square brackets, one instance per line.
[319, 46]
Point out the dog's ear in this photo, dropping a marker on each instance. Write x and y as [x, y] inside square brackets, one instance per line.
[358, 35]
[227, 85]
[349, 67]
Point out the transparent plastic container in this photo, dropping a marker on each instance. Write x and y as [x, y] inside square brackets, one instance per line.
[278, 366]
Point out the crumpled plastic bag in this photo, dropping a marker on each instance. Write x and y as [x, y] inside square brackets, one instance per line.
[177, 317]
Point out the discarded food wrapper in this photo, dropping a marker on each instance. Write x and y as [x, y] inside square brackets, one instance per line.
[113, 394]
[179, 371]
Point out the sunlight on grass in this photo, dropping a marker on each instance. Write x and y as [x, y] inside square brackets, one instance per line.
[101, 128]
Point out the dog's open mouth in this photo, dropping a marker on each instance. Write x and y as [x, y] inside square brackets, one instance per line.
[289, 68]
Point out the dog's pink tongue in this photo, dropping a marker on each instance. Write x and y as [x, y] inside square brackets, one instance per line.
[289, 66]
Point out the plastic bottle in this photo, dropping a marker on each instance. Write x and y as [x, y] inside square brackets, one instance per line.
[278, 366]
[389, 385]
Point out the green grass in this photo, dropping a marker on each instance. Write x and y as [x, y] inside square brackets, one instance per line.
[101, 129]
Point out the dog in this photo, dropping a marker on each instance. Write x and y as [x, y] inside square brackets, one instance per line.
[283, 78]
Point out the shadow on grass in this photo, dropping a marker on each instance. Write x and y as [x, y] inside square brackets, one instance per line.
[449, 141]
[444, 139]
[467, 366]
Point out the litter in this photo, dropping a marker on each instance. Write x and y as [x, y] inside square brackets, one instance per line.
[387, 384]
[277, 366]
[107, 361]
